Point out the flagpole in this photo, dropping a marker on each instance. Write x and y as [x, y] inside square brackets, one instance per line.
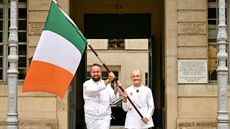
[12, 115]
[116, 81]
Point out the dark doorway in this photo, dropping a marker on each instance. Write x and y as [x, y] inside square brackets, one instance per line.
[75, 99]
[124, 26]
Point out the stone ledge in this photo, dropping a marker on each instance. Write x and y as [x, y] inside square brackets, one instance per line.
[33, 124]
[4, 92]
[196, 124]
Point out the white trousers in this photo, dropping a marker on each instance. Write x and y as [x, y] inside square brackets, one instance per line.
[97, 123]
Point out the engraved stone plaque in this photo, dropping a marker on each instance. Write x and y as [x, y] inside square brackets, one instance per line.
[35, 28]
[192, 71]
[192, 28]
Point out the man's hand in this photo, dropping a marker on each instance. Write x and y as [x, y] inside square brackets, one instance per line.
[111, 76]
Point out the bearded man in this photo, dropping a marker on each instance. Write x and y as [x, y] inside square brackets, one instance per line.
[98, 95]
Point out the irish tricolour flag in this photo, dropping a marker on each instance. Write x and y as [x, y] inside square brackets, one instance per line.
[57, 55]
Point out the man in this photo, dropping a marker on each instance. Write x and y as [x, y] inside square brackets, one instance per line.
[98, 95]
[142, 98]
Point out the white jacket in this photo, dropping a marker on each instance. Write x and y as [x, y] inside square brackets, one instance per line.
[143, 100]
[97, 99]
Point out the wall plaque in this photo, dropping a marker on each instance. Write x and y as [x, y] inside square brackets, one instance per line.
[192, 71]
[35, 28]
[192, 28]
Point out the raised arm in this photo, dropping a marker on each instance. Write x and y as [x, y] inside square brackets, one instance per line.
[91, 90]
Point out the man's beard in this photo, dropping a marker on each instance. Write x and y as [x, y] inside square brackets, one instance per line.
[96, 78]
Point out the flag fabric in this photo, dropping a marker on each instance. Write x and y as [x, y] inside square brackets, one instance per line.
[57, 55]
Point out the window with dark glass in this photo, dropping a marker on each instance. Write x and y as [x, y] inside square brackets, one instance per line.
[1, 40]
[4, 38]
[116, 44]
[146, 79]
[213, 21]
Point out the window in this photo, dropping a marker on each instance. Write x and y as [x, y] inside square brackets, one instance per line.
[22, 39]
[116, 44]
[4, 35]
[146, 79]
[213, 21]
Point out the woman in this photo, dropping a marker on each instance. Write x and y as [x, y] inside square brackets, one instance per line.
[142, 98]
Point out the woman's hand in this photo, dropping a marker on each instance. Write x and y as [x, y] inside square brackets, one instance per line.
[145, 120]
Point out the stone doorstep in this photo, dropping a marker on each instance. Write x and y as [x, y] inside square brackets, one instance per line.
[41, 124]
[117, 127]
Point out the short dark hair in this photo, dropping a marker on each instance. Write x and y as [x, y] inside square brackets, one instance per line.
[95, 64]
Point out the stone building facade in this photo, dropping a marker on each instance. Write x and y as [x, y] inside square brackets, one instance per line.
[181, 43]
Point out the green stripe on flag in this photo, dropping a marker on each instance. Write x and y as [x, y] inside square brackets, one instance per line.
[58, 23]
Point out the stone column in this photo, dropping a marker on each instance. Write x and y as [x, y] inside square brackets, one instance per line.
[222, 70]
[12, 115]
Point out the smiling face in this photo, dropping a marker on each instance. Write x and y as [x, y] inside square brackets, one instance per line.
[136, 78]
[95, 73]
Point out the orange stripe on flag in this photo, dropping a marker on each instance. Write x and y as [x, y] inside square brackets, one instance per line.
[45, 77]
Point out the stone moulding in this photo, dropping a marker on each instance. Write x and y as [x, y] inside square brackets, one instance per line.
[196, 124]
[33, 124]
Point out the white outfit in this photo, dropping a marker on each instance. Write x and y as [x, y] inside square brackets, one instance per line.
[143, 100]
[97, 108]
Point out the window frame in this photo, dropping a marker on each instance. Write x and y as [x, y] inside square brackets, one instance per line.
[5, 6]
[212, 41]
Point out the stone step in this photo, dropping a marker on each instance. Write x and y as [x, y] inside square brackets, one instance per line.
[117, 127]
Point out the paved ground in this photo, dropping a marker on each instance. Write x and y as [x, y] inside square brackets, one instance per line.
[117, 127]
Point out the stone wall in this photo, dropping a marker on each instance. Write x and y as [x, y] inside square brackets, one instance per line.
[37, 13]
[35, 110]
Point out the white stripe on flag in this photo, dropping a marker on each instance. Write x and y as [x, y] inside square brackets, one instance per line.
[55, 49]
